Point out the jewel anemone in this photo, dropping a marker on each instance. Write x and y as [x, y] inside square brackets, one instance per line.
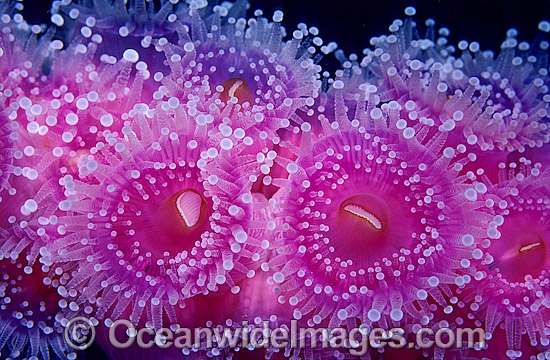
[510, 286]
[70, 113]
[29, 197]
[247, 64]
[368, 224]
[493, 104]
[30, 314]
[171, 218]
[376, 221]
[32, 285]
[247, 57]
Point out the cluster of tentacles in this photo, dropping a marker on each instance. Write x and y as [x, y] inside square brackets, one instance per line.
[185, 165]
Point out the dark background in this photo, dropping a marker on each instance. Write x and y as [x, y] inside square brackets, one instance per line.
[351, 23]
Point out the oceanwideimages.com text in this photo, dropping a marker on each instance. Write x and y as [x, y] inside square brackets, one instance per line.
[123, 334]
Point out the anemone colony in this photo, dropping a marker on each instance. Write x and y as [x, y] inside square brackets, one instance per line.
[182, 164]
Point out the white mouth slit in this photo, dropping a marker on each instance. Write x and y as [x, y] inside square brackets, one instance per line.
[234, 88]
[364, 214]
[529, 247]
[189, 206]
